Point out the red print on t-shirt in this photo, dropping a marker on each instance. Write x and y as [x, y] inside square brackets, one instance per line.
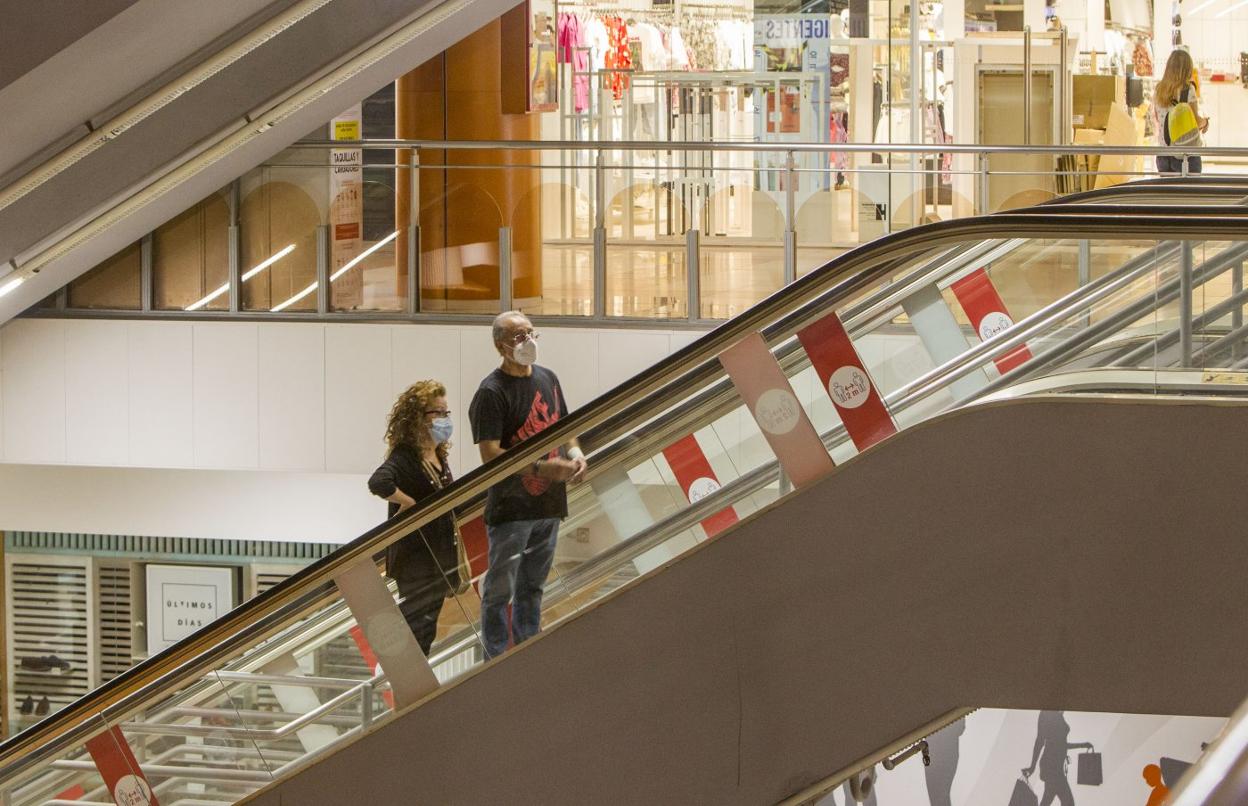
[541, 416]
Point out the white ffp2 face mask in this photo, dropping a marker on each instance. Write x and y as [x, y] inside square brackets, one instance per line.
[525, 353]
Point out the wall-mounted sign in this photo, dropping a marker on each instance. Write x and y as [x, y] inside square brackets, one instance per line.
[183, 598]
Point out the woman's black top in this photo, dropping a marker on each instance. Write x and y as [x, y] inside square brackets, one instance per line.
[409, 559]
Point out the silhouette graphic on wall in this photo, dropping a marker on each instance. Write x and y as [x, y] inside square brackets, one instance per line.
[868, 801]
[943, 747]
[1050, 753]
[1152, 776]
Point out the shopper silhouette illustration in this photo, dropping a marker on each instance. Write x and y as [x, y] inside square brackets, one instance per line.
[1152, 776]
[1050, 753]
[942, 746]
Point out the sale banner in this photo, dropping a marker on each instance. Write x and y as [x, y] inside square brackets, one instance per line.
[846, 380]
[692, 470]
[370, 658]
[988, 315]
[765, 389]
[346, 211]
[120, 770]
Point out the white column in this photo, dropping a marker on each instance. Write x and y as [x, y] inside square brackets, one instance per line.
[1033, 15]
[1163, 33]
[1095, 40]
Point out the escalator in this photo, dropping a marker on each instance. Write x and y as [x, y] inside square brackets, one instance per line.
[163, 103]
[858, 609]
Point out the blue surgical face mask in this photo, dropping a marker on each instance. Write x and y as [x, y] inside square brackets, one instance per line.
[442, 428]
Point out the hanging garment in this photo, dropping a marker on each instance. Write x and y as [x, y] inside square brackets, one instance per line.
[619, 58]
[1142, 58]
[571, 43]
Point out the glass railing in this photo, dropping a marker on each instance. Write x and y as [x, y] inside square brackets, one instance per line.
[626, 233]
[932, 318]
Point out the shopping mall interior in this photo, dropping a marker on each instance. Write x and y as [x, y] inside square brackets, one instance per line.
[623, 401]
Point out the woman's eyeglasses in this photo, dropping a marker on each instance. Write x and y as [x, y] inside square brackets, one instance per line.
[438, 412]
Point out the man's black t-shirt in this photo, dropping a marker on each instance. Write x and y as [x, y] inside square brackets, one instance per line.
[510, 410]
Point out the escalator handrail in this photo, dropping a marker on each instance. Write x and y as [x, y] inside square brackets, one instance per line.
[836, 281]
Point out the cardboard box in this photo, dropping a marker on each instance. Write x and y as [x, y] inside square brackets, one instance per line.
[1092, 97]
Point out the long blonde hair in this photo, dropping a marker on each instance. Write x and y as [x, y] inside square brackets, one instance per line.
[407, 418]
[1178, 75]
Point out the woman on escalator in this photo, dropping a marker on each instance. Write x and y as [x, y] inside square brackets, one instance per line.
[424, 564]
[1177, 95]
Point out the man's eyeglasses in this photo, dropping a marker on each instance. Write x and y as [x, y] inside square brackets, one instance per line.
[525, 335]
[438, 412]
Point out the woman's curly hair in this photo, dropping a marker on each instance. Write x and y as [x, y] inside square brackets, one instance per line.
[407, 417]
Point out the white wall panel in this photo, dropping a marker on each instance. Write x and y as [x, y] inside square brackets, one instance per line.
[624, 353]
[292, 397]
[97, 392]
[226, 395]
[357, 396]
[431, 352]
[575, 356]
[34, 391]
[161, 394]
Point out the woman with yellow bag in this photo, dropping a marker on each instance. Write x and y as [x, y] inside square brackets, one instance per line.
[1179, 122]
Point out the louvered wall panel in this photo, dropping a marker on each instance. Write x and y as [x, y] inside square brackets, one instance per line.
[115, 624]
[49, 615]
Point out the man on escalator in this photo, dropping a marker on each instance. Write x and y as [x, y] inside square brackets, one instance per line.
[522, 513]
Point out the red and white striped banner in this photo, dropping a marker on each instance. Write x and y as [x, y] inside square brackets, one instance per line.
[988, 315]
[697, 479]
[846, 380]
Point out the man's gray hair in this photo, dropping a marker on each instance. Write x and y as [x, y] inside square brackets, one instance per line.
[499, 330]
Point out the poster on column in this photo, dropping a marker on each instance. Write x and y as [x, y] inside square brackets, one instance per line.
[346, 211]
[858, 401]
[988, 315]
[697, 480]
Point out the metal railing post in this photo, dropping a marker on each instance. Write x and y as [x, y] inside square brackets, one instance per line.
[983, 183]
[413, 235]
[1237, 314]
[145, 272]
[235, 248]
[366, 705]
[323, 289]
[1085, 271]
[600, 236]
[790, 219]
[1026, 85]
[504, 268]
[693, 269]
[1064, 120]
[1185, 303]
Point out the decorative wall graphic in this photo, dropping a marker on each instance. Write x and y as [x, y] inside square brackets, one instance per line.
[692, 469]
[184, 598]
[988, 315]
[943, 746]
[846, 380]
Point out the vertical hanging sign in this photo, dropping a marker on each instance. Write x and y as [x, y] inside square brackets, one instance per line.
[120, 770]
[346, 211]
[847, 382]
[697, 480]
[766, 391]
[988, 315]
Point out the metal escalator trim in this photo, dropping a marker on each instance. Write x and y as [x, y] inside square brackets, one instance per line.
[73, 235]
[1220, 775]
[272, 611]
[162, 97]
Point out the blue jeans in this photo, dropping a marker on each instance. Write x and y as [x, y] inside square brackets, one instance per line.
[1174, 165]
[521, 553]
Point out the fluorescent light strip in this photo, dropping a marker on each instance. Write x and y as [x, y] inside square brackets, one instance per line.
[1229, 9]
[10, 285]
[250, 273]
[350, 264]
[1202, 7]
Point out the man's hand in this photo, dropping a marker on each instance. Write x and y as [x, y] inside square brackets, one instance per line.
[581, 467]
[557, 469]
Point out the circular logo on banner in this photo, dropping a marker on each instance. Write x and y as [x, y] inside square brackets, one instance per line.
[385, 633]
[849, 387]
[701, 488]
[994, 323]
[777, 411]
[131, 790]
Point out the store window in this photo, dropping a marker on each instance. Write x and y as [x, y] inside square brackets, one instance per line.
[191, 257]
